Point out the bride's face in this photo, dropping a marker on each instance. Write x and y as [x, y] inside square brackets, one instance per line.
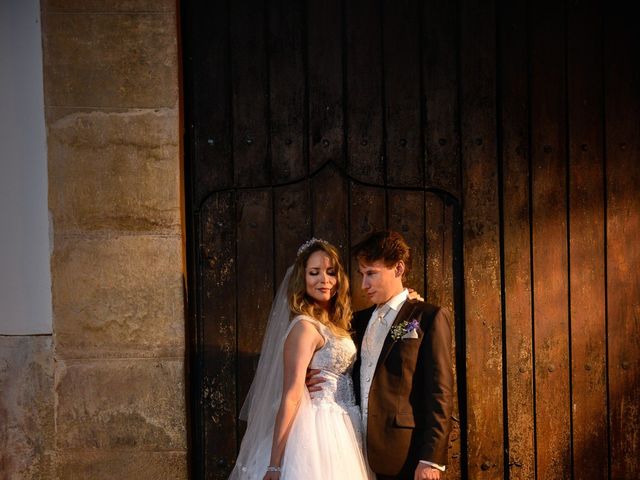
[320, 278]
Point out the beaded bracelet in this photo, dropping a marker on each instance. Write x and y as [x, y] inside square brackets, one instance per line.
[271, 468]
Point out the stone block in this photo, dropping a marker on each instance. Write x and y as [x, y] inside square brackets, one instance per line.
[26, 407]
[118, 464]
[118, 296]
[108, 6]
[117, 170]
[127, 60]
[127, 404]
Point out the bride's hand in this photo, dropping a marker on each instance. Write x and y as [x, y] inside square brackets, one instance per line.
[413, 295]
[271, 476]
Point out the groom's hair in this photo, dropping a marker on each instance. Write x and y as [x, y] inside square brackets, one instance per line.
[386, 245]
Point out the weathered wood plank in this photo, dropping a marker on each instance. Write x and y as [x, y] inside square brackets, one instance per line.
[209, 102]
[218, 333]
[439, 291]
[249, 70]
[292, 224]
[549, 236]
[622, 111]
[364, 91]
[586, 241]
[438, 260]
[368, 213]
[287, 89]
[330, 200]
[434, 260]
[514, 114]
[481, 240]
[401, 50]
[442, 169]
[457, 452]
[440, 87]
[254, 217]
[325, 54]
[406, 216]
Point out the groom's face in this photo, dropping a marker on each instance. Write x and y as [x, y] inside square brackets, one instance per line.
[380, 282]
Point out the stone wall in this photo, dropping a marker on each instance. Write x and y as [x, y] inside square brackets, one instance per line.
[26, 407]
[112, 115]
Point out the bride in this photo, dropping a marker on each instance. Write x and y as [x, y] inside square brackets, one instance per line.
[292, 434]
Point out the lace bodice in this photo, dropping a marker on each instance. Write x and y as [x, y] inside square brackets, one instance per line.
[335, 359]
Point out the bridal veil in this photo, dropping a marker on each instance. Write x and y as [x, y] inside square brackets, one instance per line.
[263, 400]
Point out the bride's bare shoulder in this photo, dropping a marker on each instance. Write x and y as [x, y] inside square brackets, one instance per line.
[305, 327]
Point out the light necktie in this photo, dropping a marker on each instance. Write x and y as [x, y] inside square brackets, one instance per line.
[377, 327]
[382, 313]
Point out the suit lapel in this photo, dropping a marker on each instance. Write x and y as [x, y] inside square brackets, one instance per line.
[405, 312]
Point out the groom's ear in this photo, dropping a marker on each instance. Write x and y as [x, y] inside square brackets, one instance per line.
[399, 269]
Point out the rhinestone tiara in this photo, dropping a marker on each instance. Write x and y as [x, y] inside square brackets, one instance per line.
[309, 243]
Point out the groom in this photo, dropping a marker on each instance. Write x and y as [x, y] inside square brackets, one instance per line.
[403, 376]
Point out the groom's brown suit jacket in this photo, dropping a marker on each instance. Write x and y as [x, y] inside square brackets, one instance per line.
[411, 395]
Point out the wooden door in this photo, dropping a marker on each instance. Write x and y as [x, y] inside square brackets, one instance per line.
[500, 137]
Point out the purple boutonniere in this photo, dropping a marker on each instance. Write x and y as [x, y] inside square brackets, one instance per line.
[404, 328]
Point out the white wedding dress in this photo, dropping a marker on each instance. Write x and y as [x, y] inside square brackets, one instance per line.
[325, 441]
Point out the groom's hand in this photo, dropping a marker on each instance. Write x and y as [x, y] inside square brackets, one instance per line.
[313, 380]
[426, 472]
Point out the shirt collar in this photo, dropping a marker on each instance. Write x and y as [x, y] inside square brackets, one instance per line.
[396, 302]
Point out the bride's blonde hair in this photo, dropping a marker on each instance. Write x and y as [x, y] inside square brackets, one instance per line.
[338, 318]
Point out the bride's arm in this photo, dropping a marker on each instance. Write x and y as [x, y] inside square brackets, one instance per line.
[301, 343]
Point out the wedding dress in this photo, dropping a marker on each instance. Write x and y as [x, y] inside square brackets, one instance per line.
[325, 440]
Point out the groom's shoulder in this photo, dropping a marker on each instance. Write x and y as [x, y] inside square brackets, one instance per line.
[428, 309]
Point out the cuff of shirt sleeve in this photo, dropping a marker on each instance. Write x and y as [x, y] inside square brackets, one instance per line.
[434, 465]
